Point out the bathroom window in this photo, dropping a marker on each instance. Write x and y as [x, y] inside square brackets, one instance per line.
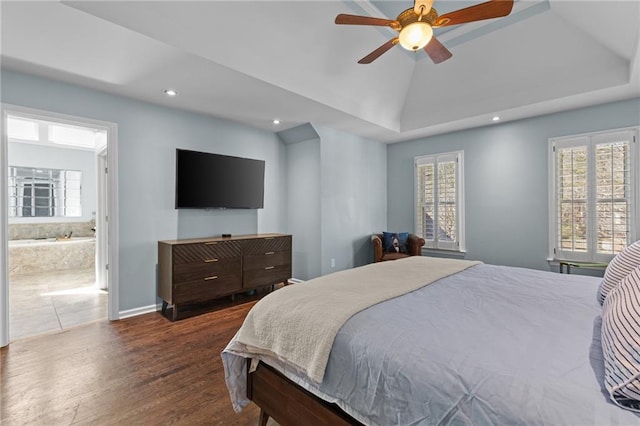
[38, 192]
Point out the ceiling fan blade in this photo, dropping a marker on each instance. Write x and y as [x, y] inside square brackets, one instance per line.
[366, 20]
[486, 10]
[379, 51]
[436, 51]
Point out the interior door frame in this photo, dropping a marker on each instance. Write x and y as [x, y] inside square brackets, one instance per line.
[111, 208]
[102, 224]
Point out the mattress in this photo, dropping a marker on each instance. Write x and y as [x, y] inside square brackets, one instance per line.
[488, 345]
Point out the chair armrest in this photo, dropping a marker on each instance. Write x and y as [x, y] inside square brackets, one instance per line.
[414, 245]
[376, 241]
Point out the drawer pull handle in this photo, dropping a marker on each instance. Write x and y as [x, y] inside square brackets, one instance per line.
[269, 267]
[211, 243]
[270, 238]
[211, 278]
[269, 253]
[210, 260]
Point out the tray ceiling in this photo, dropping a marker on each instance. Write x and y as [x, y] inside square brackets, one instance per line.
[253, 61]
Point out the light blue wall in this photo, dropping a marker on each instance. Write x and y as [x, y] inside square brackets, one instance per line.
[353, 179]
[363, 186]
[337, 198]
[147, 138]
[337, 183]
[31, 155]
[303, 184]
[506, 179]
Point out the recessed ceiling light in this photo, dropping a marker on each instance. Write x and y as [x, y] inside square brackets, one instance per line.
[495, 118]
[276, 122]
[170, 92]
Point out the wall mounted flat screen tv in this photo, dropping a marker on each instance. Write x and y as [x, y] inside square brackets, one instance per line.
[205, 180]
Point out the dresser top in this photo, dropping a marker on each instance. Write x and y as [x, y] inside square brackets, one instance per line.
[232, 238]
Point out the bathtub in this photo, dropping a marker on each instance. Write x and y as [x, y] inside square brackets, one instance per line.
[18, 243]
[42, 255]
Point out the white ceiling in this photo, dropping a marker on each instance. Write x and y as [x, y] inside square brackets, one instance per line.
[253, 61]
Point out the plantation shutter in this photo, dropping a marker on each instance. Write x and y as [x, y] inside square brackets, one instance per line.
[425, 197]
[572, 158]
[613, 192]
[437, 214]
[594, 195]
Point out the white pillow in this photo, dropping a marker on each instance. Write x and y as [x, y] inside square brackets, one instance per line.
[621, 342]
[623, 263]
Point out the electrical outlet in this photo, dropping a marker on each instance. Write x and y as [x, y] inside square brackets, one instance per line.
[333, 263]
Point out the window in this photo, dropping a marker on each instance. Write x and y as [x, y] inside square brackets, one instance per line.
[439, 216]
[44, 192]
[31, 130]
[20, 128]
[593, 210]
[37, 199]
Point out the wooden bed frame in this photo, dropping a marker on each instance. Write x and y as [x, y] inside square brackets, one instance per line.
[289, 404]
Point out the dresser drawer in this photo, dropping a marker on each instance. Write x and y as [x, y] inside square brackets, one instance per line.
[207, 251]
[193, 271]
[267, 244]
[270, 258]
[266, 276]
[206, 288]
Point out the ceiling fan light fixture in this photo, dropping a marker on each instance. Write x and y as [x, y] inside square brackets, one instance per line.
[416, 35]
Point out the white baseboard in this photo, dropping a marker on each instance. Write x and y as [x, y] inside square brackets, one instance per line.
[139, 311]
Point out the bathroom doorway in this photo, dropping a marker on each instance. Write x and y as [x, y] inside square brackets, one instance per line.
[56, 207]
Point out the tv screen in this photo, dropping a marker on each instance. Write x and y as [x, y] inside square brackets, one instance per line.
[205, 180]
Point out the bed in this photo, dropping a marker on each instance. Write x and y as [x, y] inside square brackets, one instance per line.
[483, 344]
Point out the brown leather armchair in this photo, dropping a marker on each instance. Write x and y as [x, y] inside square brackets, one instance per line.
[414, 246]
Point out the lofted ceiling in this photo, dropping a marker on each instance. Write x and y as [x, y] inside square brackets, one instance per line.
[253, 61]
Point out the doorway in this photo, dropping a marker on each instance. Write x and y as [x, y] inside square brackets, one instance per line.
[56, 247]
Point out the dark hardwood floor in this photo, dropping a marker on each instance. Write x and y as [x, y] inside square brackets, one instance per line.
[144, 370]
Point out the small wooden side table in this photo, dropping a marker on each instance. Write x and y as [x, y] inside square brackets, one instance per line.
[586, 265]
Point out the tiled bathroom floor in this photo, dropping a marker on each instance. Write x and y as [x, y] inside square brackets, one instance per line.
[53, 301]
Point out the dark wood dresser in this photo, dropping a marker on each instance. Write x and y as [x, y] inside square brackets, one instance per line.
[197, 270]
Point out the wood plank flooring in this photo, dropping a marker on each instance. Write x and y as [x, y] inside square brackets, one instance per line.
[144, 370]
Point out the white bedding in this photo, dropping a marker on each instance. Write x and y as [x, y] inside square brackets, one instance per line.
[297, 324]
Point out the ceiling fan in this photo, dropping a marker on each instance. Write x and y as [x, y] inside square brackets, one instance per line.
[415, 26]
